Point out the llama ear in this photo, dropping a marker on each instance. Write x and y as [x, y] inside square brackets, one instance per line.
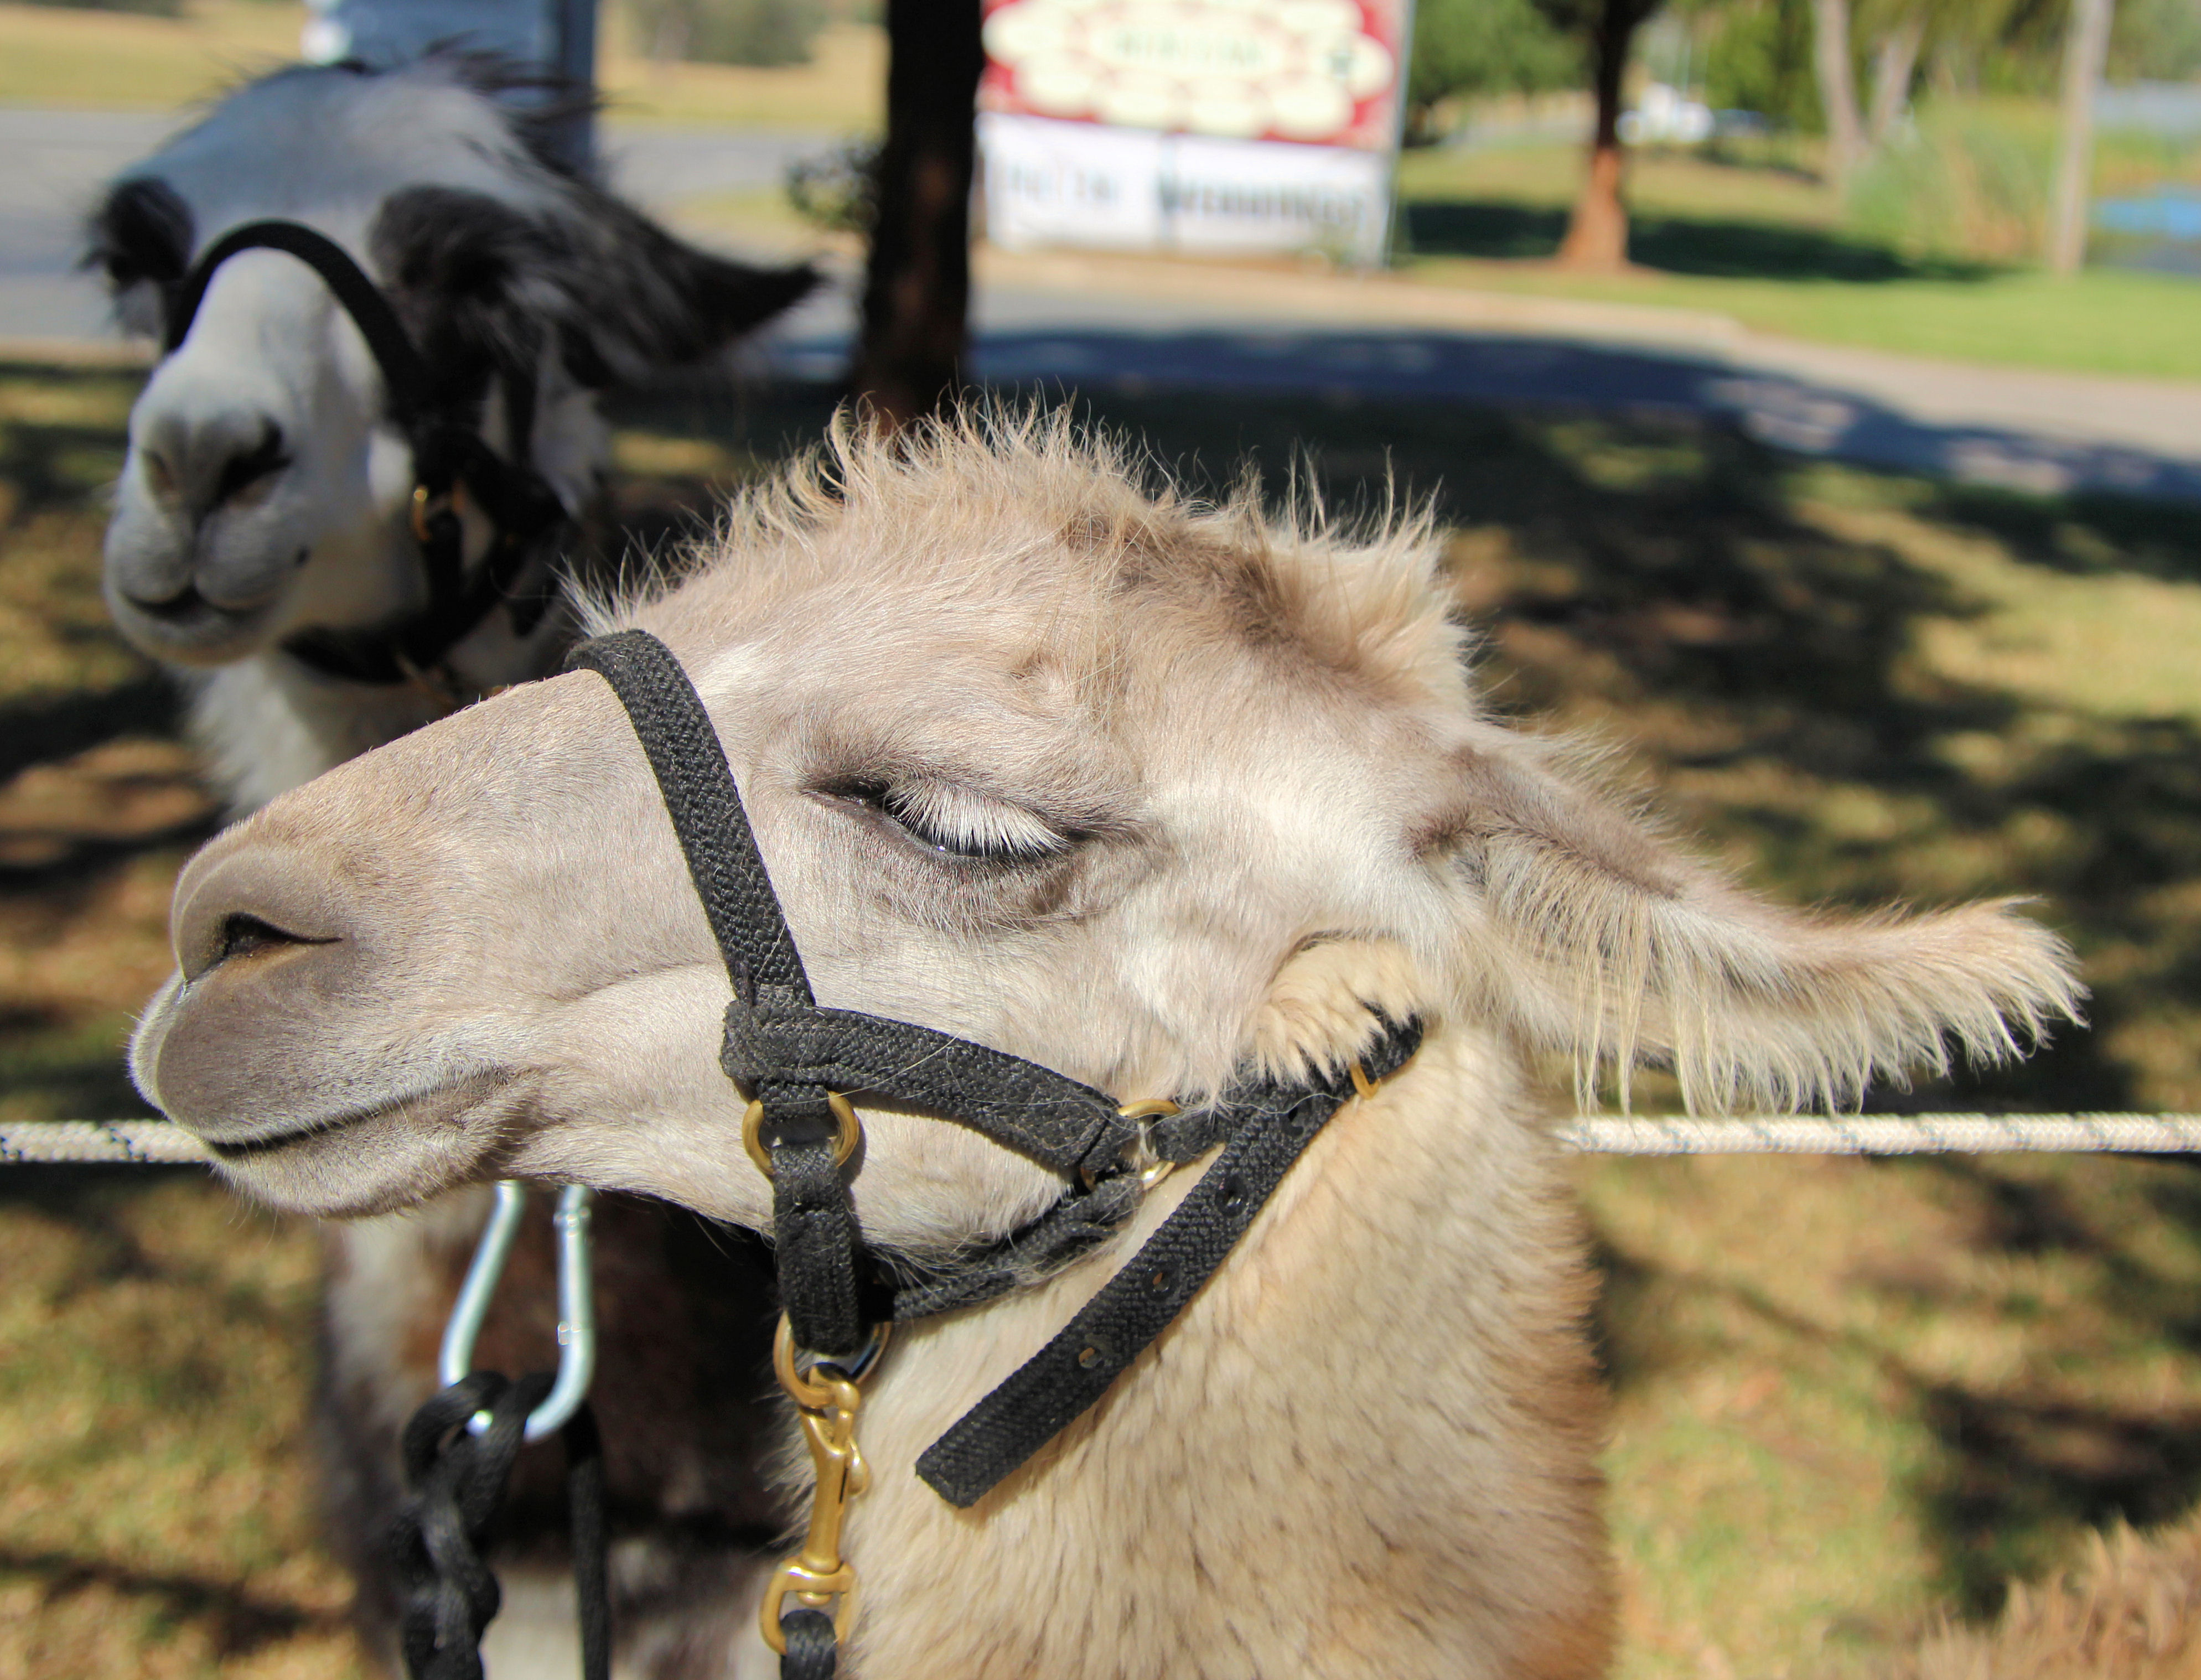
[1605, 940]
[140, 237]
[459, 267]
[641, 301]
[473, 275]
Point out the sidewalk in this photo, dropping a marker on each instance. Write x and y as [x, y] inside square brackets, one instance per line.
[2029, 429]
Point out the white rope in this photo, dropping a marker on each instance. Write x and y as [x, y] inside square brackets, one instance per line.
[147, 1143]
[1881, 1134]
[158, 1143]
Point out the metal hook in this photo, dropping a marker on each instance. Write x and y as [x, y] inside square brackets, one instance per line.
[577, 1304]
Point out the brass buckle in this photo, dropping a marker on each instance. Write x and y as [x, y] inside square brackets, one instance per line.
[828, 1396]
[847, 1132]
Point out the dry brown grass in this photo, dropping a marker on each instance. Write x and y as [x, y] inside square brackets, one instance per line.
[1851, 1396]
[110, 61]
[2130, 1610]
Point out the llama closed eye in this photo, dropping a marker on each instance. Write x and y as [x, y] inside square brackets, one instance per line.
[952, 822]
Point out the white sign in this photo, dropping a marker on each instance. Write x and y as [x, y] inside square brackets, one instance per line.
[1082, 183]
[1192, 125]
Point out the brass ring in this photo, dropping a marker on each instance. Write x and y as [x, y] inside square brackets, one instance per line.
[425, 507]
[803, 1387]
[847, 1132]
[1361, 1083]
[1153, 1109]
[1149, 1108]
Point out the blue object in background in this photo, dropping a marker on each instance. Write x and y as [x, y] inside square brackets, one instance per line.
[559, 35]
[2166, 212]
[2159, 229]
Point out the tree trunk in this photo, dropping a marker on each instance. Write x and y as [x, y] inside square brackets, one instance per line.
[1597, 231]
[1894, 61]
[2084, 54]
[917, 292]
[1830, 58]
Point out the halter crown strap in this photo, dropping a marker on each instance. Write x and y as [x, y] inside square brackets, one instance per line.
[403, 373]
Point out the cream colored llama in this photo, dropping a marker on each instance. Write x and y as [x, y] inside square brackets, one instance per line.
[1150, 793]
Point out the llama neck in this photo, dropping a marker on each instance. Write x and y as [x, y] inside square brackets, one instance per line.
[1306, 1474]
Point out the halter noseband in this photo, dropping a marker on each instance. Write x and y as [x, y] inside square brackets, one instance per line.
[450, 460]
[802, 1064]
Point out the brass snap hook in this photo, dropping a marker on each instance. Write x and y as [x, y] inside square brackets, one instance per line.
[828, 1395]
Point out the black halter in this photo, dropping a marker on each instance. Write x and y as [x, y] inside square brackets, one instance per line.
[802, 1064]
[450, 460]
[796, 1059]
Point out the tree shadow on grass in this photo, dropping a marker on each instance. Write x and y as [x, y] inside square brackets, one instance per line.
[238, 1620]
[2014, 1468]
[1495, 230]
[2087, 533]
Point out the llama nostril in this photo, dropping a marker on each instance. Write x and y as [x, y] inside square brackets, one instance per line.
[247, 476]
[159, 475]
[256, 909]
[245, 935]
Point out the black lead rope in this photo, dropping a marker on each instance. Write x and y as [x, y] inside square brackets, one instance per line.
[449, 452]
[456, 1479]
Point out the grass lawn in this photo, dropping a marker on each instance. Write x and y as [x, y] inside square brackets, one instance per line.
[1764, 244]
[118, 60]
[1849, 1394]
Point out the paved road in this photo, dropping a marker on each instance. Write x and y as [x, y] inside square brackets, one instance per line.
[1066, 323]
[53, 164]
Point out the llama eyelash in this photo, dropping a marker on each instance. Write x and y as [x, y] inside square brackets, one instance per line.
[952, 822]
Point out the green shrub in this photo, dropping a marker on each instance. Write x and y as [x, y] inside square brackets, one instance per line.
[1970, 181]
[1463, 48]
[730, 32]
[1758, 58]
[839, 191]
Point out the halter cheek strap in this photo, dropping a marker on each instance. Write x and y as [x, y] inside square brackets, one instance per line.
[799, 1062]
[449, 458]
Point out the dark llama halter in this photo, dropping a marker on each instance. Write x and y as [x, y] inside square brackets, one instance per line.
[452, 465]
[802, 1064]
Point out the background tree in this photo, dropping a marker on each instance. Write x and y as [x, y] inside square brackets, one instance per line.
[1463, 48]
[1758, 57]
[917, 285]
[2083, 58]
[1832, 63]
[1900, 36]
[1597, 231]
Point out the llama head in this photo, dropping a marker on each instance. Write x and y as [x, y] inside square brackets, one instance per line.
[1143, 790]
[265, 489]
